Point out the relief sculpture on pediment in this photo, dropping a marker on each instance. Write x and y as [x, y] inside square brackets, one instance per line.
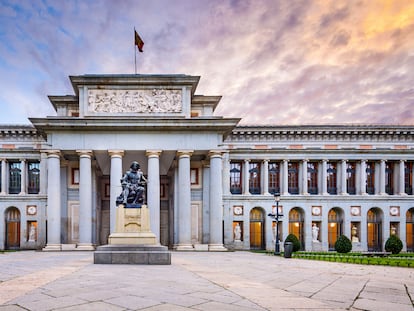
[135, 101]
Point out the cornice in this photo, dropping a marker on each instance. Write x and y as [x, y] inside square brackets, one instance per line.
[352, 133]
[58, 124]
[137, 79]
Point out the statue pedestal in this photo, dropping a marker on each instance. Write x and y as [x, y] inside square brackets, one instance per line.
[316, 246]
[132, 242]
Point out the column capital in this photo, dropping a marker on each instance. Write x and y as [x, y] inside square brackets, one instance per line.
[85, 152]
[184, 153]
[215, 153]
[153, 153]
[116, 153]
[53, 153]
[363, 160]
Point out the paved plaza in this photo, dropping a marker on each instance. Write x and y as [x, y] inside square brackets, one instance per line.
[239, 281]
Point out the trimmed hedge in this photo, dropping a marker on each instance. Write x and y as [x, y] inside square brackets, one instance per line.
[343, 244]
[393, 244]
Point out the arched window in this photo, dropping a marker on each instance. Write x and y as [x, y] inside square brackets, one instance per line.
[334, 227]
[296, 221]
[410, 230]
[374, 230]
[257, 218]
[12, 219]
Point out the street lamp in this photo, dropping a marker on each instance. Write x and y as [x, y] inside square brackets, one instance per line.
[276, 218]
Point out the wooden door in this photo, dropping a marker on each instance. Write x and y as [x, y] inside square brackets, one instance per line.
[13, 235]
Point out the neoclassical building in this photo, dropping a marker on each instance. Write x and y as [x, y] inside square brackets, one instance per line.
[211, 182]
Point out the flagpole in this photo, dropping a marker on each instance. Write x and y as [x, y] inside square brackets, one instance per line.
[135, 54]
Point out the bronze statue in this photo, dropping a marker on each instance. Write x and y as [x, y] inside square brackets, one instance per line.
[133, 186]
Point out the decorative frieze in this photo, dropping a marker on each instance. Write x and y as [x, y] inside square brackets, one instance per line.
[135, 101]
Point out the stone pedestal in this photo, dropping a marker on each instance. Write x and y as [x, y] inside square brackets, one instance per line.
[316, 246]
[356, 247]
[132, 242]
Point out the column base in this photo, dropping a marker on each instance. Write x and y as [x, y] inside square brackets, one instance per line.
[52, 248]
[216, 248]
[184, 247]
[85, 247]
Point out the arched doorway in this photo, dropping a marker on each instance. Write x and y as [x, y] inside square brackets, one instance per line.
[12, 218]
[257, 218]
[374, 230]
[296, 221]
[335, 226]
[410, 230]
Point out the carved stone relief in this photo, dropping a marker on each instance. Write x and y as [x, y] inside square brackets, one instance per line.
[134, 101]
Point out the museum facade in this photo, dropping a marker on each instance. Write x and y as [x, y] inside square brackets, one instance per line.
[211, 182]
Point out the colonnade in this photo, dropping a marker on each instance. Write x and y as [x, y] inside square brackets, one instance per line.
[342, 175]
[182, 208]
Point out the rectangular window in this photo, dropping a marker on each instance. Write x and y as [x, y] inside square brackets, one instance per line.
[274, 177]
[350, 178]
[370, 170]
[235, 178]
[389, 177]
[254, 178]
[293, 177]
[34, 177]
[331, 178]
[312, 177]
[408, 177]
[15, 178]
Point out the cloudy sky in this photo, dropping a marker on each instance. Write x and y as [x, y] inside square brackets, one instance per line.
[273, 61]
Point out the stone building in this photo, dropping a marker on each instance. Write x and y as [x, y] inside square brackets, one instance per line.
[211, 182]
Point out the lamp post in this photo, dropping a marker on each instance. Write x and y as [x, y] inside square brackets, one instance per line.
[276, 218]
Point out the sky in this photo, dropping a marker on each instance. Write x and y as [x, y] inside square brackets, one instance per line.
[275, 62]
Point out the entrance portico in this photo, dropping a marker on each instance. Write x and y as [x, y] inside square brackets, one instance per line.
[114, 120]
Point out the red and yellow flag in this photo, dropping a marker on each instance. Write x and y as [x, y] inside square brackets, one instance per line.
[138, 42]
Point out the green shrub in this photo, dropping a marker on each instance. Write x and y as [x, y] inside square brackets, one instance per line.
[343, 244]
[393, 244]
[296, 243]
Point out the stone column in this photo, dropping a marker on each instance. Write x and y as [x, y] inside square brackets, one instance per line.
[226, 174]
[401, 178]
[305, 177]
[265, 170]
[3, 190]
[216, 203]
[285, 184]
[184, 201]
[53, 202]
[85, 200]
[115, 184]
[363, 177]
[324, 183]
[153, 191]
[23, 177]
[343, 177]
[246, 176]
[382, 178]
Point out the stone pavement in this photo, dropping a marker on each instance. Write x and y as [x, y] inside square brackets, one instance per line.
[239, 281]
